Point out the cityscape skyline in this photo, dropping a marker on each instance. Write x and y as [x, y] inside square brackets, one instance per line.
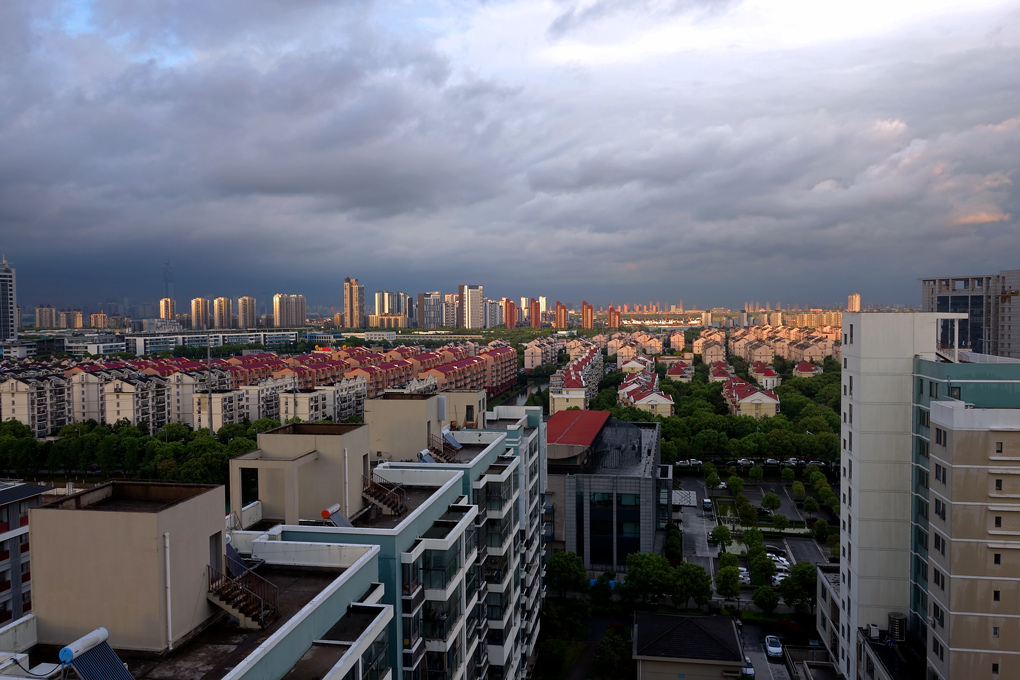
[675, 147]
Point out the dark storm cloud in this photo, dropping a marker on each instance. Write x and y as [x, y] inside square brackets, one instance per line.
[279, 144]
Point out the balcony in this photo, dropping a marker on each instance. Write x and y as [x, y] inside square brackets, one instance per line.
[24, 547]
[414, 600]
[5, 555]
[5, 586]
[412, 656]
[26, 577]
[23, 520]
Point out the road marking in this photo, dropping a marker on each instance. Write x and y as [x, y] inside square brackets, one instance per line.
[768, 664]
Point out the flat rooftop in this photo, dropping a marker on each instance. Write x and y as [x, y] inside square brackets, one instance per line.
[313, 428]
[416, 496]
[219, 648]
[118, 496]
[330, 648]
[902, 660]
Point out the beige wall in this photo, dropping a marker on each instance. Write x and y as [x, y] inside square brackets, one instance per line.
[457, 402]
[94, 568]
[399, 428]
[649, 669]
[300, 475]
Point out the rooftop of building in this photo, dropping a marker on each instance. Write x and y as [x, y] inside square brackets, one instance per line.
[123, 496]
[414, 498]
[709, 638]
[14, 490]
[902, 660]
[313, 429]
[575, 428]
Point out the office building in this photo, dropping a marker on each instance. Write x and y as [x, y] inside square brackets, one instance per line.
[167, 309]
[991, 303]
[926, 464]
[853, 302]
[246, 312]
[223, 313]
[45, 317]
[354, 304]
[9, 310]
[471, 313]
[587, 315]
[608, 494]
[288, 311]
[199, 314]
[430, 310]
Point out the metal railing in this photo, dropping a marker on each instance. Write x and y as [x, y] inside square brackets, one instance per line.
[249, 593]
[397, 496]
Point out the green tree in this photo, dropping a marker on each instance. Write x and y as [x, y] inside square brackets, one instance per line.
[735, 484]
[787, 474]
[833, 544]
[771, 501]
[566, 571]
[748, 513]
[691, 581]
[712, 481]
[727, 559]
[798, 491]
[647, 575]
[762, 568]
[821, 529]
[727, 582]
[810, 505]
[780, 522]
[765, 599]
[753, 537]
[612, 660]
[798, 589]
[756, 473]
[602, 589]
[721, 534]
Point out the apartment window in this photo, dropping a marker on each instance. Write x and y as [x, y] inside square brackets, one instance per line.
[940, 436]
[938, 615]
[851, 408]
[954, 392]
[995, 596]
[997, 558]
[850, 497]
[851, 340]
[998, 522]
[995, 669]
[851, 468]
[998, 485]
[933, 390]
[938, 578]
[940, 473]
[922, 478]
[920, 385]
[851, 386]
[924, 417]
[844, 362]
[995, 631]
[998, 447]
[850, 440]
[940, 509]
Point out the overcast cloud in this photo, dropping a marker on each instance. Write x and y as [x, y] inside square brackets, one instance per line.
[715, 151]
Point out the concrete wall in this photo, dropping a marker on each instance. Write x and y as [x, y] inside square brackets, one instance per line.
[399, 428]
[650, 669]
[94, 568]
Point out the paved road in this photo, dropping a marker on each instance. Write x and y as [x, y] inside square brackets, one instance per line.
[754, 647]
[696, 525]
[805, 550]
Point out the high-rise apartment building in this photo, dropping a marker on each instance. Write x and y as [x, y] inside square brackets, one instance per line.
[853, 302]
[991, 303]
[451, 308]
[9, 321]
[167, 309]
[543, 306]
[69, 318]
[509, 313]
[535, 315]
[471, 312]
[430, 310]
[493, 313]
[561, 315]
[223, 314]
[525, 310]
[288, 310]
[99, 320]
[614, 317]
[45, 317]
[354, 304]
[930, 450]
[587, 315]
[199, 314]
[246, 312]
[385, 302]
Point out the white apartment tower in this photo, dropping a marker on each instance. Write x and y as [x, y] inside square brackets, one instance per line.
[199, 314]
[246, 312]
[288, 310]
[223, 314]
[167, 309]
[472, 307]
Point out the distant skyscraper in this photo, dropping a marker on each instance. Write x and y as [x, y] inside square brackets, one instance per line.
[614, 317]
[493, 312]
[69, 318]
[430, 310]
[167, 309]
[525, 309]
[561, 315]
[246, 312]
[8, 303]
[288, 310]
[587, 315]
[385, 302]
[853, 302]
[472, 308]
[223, 315]
[536, 314]
[543, 305]
[354, 304]
[451, 308]
[45, 317]
[199, 314]
[509, 313]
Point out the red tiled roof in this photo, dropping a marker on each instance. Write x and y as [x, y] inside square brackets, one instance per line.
[575, 428]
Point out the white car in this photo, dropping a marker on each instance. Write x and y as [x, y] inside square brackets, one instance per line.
[777, 579]
[773, 647]
[745, 461]
[745, 578]
[779, 560]
[772, 461]
[694, 462]
[722, 486]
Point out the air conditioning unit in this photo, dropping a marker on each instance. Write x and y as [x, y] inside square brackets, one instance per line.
[873, 631]
[932, 621]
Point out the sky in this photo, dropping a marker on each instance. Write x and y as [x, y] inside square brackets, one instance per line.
[714, 151]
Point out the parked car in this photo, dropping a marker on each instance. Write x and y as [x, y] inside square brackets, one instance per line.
[764, 512]
[745, 578]
[773, 647]
[775, 550]
[706, 504]
[748, 670]
[745, 462]
[722, 486]
[820, 464]
[772, 461]
[694, 462]
[777, 579]
[793, 462]
[683, 463]
[780, 560]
